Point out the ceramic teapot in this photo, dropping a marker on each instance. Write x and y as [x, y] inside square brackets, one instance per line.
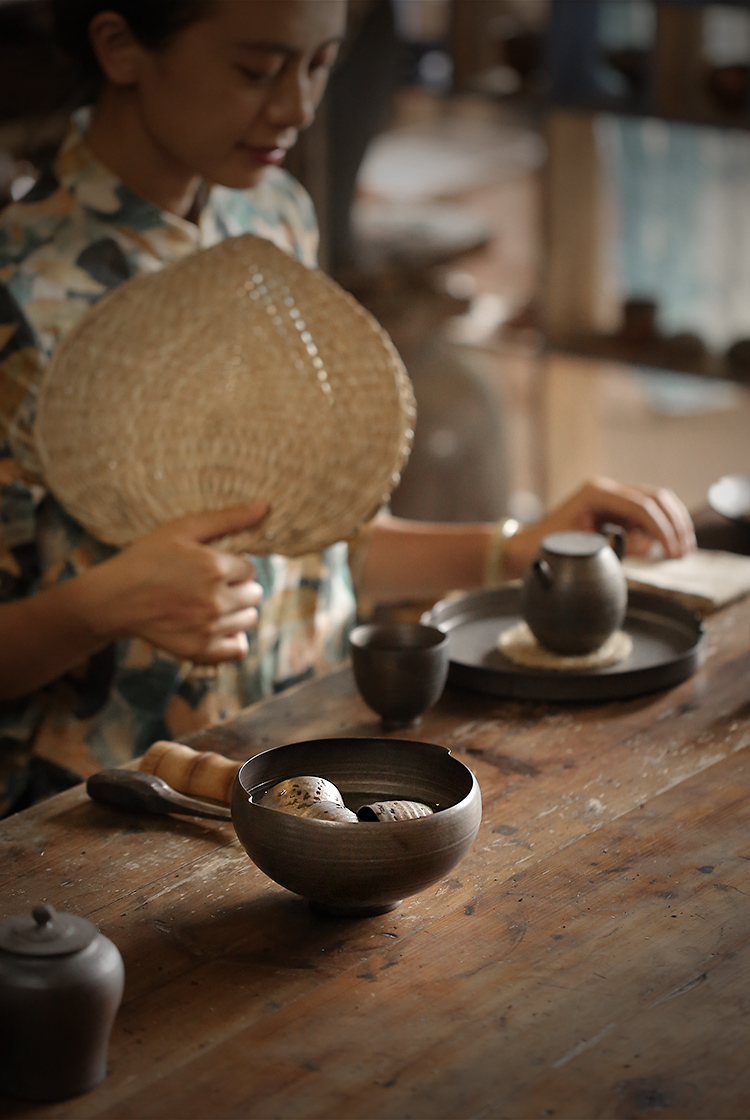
[61, 983]
[575, 593]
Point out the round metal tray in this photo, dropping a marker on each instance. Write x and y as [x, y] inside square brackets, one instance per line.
[667, 638]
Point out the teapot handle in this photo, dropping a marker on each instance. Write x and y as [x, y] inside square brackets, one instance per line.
[615, 534]
[543, 572]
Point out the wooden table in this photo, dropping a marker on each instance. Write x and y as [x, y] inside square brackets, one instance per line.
[590, 957]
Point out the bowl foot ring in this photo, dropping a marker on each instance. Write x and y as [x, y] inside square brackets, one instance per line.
[326, 910]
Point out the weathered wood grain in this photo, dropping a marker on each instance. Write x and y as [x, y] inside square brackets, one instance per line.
[546, 976]
[577, 988]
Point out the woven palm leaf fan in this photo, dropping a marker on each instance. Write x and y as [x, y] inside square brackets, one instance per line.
[235, 374]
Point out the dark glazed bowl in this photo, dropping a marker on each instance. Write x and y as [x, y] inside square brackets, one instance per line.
[400, 668]
[364, 868]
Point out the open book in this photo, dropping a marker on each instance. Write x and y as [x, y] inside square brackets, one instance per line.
[702, 580]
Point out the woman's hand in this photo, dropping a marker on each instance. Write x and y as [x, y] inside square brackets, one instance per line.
[647, 514]
[172, 589]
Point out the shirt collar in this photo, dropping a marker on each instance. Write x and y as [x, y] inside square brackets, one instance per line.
[97, 188]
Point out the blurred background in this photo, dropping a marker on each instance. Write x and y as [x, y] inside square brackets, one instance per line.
[546, 204]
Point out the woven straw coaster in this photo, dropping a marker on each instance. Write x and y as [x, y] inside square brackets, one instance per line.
[520, 645]
[234, 374]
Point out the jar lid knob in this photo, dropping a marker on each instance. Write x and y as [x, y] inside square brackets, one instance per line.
[43, 914]
[45, 932]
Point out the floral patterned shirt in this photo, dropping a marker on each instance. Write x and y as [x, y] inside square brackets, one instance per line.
[74, 237]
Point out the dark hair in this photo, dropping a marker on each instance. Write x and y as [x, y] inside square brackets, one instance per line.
[153, 22]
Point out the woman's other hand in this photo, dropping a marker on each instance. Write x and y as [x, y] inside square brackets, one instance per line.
[647, 514]
[177, 592]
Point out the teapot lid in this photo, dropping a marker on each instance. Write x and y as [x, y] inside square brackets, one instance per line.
[574, 543]
[45, 933]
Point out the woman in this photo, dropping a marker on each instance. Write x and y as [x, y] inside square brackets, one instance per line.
[97, 646]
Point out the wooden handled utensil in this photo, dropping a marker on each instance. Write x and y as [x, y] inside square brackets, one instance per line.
[130, 789]
[198, 773]
[172, 778]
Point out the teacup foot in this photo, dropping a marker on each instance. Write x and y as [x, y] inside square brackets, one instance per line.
[400, 724]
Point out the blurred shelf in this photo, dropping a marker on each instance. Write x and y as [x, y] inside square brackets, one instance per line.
[680, 354]
[671, 79]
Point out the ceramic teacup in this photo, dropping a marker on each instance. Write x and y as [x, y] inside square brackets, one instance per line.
[400, 668]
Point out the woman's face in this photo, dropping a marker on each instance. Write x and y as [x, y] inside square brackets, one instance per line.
[228, 95]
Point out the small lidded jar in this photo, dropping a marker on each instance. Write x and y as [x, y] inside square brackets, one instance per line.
[61, 982]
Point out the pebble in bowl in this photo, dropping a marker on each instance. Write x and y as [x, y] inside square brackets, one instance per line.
[363, 868]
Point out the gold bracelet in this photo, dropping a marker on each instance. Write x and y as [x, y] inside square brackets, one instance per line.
[493, 566]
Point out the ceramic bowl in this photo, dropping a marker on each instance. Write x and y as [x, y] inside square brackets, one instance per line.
[362, 868]
[400, 668]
